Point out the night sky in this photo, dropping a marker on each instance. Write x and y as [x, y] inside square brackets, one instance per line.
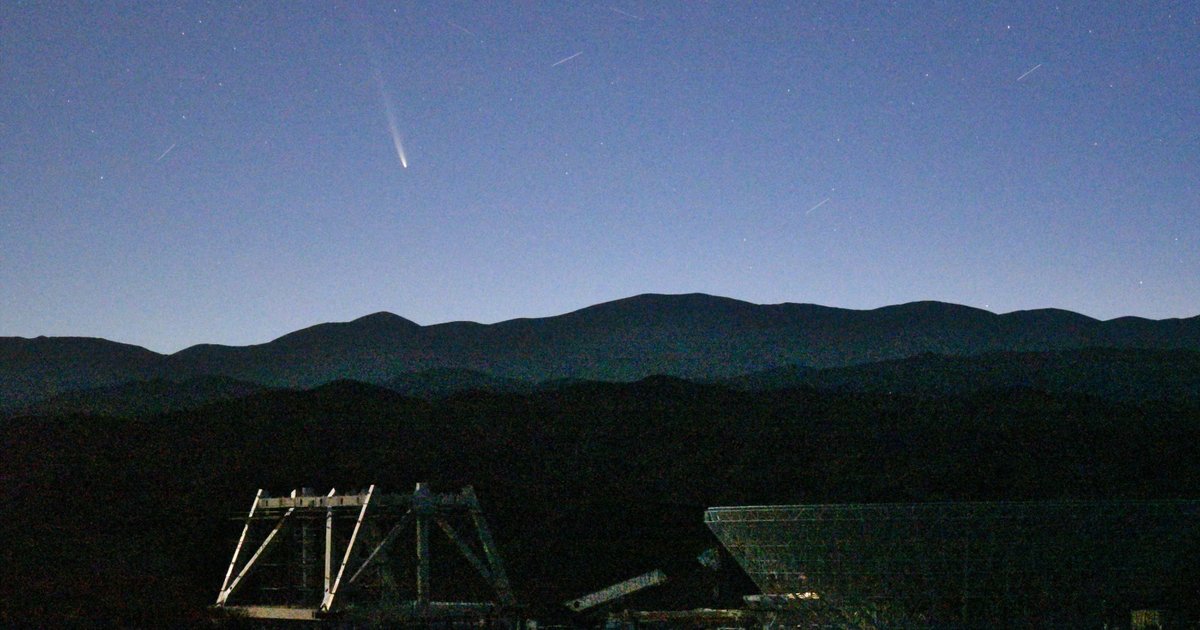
[180, 173]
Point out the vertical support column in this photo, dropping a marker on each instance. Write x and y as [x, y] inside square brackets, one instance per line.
[328, 544]
[423, 560]
[422, 506]
[237, 550]
[305, 554]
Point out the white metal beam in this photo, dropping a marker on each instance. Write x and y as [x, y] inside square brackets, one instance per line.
[328, 543]
[237, 550]
[328, 601]
[225, 593]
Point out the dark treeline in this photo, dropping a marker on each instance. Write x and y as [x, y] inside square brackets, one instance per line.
[128, 520]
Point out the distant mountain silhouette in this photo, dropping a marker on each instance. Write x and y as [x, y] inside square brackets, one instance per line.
[139, 398]
[34, 369]
[443, 382]
[692, 336]
[1117, 374]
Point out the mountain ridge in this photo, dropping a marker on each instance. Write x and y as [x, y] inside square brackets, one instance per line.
[692, 335]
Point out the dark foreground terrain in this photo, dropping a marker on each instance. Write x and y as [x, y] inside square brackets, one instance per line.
[127, 521]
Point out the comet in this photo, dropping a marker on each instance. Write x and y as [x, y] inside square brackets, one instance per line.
[389, 110]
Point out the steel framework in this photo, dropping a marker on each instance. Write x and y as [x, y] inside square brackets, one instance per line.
[617, 591]
[353, 568]
[972, 564]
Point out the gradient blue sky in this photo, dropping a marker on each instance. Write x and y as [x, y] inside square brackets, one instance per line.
[214, 172]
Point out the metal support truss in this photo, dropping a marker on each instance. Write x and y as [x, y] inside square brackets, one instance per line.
[226, 591]
[365, 554]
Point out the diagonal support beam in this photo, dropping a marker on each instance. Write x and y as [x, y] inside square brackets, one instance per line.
[266, 544]
[328, 601]
[381, 547]
[499, 577]
[465, 549]
[237, 550]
